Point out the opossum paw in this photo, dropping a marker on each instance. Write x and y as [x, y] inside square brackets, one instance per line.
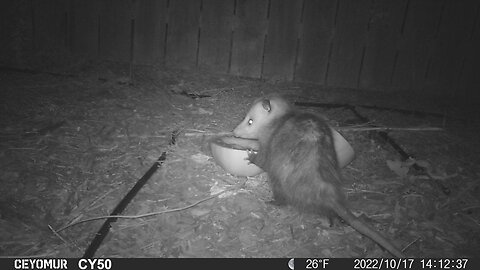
[277, 202]
[251, 156]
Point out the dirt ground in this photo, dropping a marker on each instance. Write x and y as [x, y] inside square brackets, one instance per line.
[72, 146]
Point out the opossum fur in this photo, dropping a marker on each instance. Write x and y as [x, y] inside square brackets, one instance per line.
[297, 153]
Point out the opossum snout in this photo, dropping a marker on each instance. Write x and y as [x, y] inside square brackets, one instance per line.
[243, 131]
[236, 133]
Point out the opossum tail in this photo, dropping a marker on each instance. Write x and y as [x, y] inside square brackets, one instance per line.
[366, 230]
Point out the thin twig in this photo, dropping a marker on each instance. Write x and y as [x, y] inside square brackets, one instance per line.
[147, 214]
[411, 243]
[470, 208]
[63, 239]
[389, 128]
[42, 255]
[57, 235]
[220, 89]
[208, 133]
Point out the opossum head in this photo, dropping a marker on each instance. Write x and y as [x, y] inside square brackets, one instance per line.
[260, 117]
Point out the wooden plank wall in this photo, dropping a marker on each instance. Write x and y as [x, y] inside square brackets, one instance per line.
[183, 33]
[347, 53]
[248, 37]
[317, 32]
[115, 31]
[49, 20]
[384, 45]
[383, 35]
[16, 33]
[281, 39]
[469, 79]
[448, 56]
[215, 35]
[150, 31]
[84, 31]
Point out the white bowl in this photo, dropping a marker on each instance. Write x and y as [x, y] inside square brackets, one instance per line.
[345, 152]
[231, 153]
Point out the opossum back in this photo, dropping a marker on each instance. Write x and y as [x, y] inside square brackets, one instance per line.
[302, 164]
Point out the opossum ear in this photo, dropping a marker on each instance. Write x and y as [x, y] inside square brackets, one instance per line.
[266, 105]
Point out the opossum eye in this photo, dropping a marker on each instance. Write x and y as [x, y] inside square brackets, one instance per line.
[250, 122]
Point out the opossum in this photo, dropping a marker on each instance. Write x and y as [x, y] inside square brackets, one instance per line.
[297, 153]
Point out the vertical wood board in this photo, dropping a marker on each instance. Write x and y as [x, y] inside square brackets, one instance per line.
[349, 40]
[16, 32]
[315, 40]
[115, 27]
[248, 38]
[182, 36]
[7, 23]
[216, 28]
[50, 25]
[383, 32]
[149, 34]
[448, 53]
[416, 43]
[84, 28]
[281, 43]
[469, 79]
